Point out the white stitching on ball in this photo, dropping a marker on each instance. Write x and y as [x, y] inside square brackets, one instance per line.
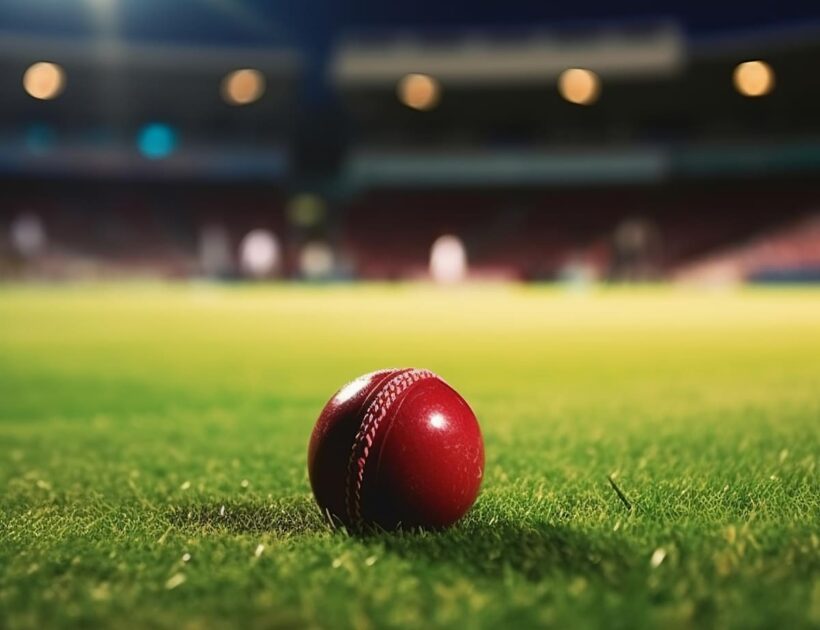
[363, 441]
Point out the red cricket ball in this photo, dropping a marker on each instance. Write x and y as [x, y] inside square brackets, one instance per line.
[396, 448]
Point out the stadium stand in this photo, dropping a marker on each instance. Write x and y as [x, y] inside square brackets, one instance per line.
[625, 233]
[788, 254]
[671, 167]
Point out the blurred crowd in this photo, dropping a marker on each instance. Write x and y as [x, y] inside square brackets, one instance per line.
[720, 235]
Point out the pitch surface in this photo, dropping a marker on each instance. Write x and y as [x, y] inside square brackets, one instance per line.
[154, 441]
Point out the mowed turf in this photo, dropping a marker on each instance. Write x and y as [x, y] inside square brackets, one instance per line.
[152, 470]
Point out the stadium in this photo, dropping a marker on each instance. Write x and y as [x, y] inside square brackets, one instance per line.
[600, 224]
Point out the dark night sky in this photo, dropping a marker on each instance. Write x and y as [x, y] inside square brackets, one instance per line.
[312, 26]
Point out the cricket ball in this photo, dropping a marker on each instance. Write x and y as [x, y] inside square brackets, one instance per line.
[396, 448]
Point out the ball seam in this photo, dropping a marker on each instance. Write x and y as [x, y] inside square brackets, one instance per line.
[363, 442]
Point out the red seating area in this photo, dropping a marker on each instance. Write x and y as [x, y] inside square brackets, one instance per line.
[135, 230]
[387, 234]
[789, 253]
[531, 234]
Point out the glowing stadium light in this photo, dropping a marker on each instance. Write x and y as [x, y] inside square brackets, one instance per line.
[242, 87]
[156, 140]
[316, 261]
[306, 210]
[419, 91]
[259, 253]
[39, 138]
[448, 260]
[753, 78]
[102, 5]
[44, 80]
[579, 86]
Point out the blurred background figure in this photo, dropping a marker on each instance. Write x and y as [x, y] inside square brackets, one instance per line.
[28, 236]
[335, 143]
[448, 260]
[635, 251]
[215, 255]
[25, 247]
[259, 253]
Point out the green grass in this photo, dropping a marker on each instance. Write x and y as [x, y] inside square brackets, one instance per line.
[152, 470]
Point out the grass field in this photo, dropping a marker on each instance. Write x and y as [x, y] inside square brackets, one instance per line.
[152, 469]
